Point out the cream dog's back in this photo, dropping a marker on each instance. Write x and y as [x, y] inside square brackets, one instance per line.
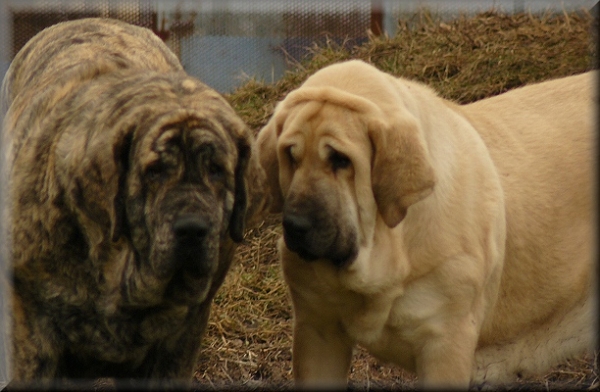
[536, 144]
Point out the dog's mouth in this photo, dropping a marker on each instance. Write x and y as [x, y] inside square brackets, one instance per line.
[193, 260]
[311, 245]
[184, 288]
[303, 253]
[338, 262]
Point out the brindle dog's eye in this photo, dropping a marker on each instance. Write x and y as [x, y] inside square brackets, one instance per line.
[339, 161]
[155, 171]
[215, 171]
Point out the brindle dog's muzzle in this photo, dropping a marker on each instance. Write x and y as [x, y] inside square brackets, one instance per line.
[191, 245]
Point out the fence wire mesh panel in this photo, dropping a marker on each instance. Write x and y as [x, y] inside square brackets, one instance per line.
[259, 39]
[225, 42]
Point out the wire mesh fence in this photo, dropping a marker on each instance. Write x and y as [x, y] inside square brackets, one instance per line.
[225, 42]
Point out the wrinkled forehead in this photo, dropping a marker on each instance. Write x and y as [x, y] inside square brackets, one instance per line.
[193, 131]
[314, 118]
[189, 130]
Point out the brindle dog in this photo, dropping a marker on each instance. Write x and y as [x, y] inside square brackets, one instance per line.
[128, 189]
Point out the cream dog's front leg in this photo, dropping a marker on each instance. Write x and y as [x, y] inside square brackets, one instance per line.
[321, 355]
[446, 361]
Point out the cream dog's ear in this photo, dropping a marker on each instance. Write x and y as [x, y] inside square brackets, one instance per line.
[267, 155]
[401, 174]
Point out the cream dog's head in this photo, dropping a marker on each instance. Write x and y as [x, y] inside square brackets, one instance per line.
[341, 152]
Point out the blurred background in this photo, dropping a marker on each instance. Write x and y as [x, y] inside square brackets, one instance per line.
[226, 42]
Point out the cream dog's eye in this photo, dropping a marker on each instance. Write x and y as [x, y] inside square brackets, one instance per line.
[290, 155]
[339, 161]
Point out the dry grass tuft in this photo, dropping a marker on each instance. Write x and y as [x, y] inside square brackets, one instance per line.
[248, 342]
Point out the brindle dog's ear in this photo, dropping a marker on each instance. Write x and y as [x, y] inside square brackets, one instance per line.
[121, 153]
[249, 198]
[91, 169]
[237, 221]
[401, 172]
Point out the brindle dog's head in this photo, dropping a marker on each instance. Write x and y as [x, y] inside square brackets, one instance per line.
[167, 176]
[336, 162]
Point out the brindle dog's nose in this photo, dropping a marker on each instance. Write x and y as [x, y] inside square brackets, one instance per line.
[190, 228]
[190, 250]
[296, 225]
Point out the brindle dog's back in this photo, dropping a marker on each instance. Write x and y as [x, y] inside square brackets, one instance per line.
[46, 64]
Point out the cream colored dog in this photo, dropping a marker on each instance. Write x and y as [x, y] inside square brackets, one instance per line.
[454, 241]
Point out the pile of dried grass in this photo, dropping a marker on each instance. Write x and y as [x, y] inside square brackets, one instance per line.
[248, 342]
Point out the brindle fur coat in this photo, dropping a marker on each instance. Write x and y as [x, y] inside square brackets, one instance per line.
[128, 189]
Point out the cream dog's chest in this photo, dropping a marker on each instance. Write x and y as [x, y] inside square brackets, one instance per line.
[390, 347]
[393, 328]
